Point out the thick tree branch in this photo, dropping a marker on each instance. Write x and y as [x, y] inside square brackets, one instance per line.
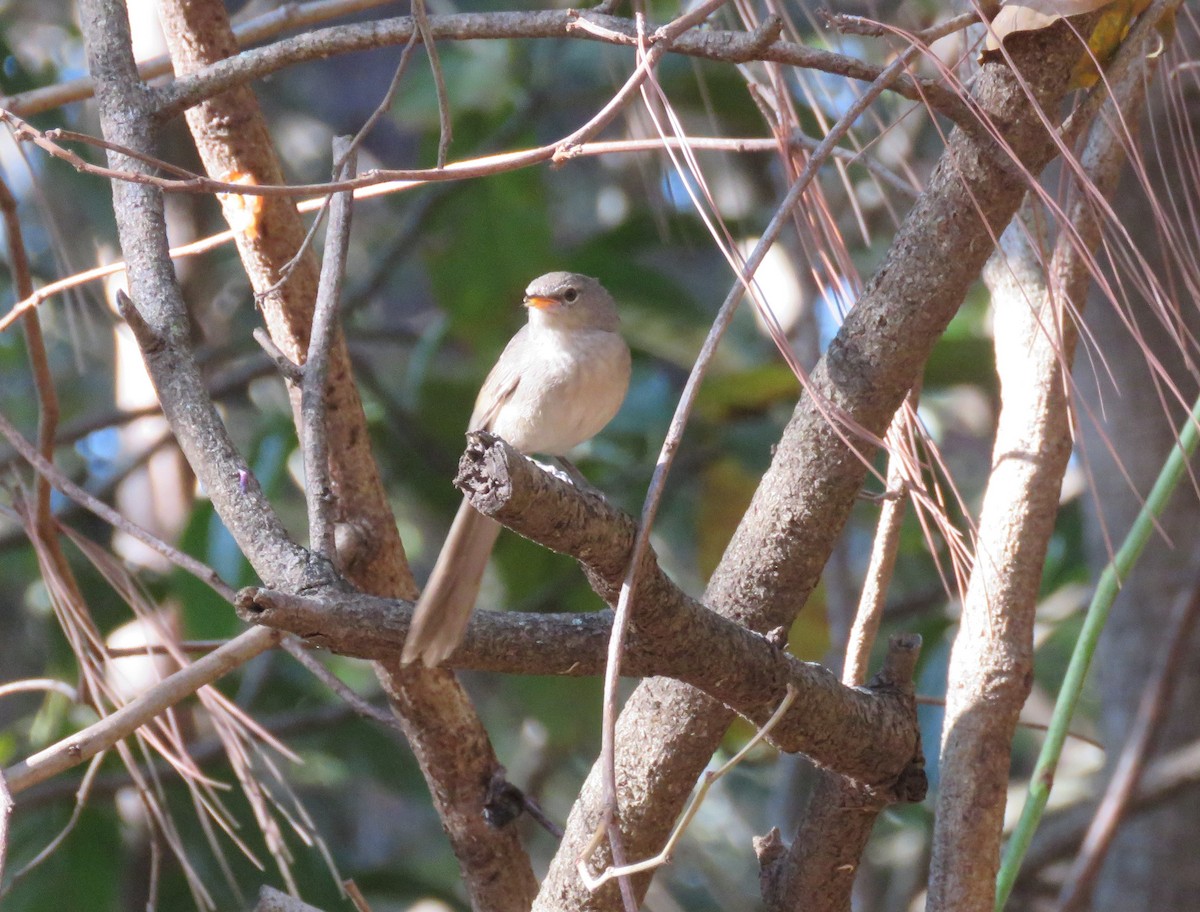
[1038, 299]
[160, 318]
[672, 634]
[868, 735]
[824, 857]
[235, 142]
[775, 558]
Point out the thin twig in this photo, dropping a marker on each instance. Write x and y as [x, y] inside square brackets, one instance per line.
[663, 40]
[298, 651]
[382, 183]
[17, 537]
[228, 378]
[47, 470]
[47, 397]
[384, 107]
[6, 805]
[381, 109]
[445, 128]
[40, 685]
[710, 779]
[81, 797]
[198, 646]
[288, 369]
[849, 24]
[356, 896]
[884, 549]
[313, 433]
[85, 744]
[926, 700]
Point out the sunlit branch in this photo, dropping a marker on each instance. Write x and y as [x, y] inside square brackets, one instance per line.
[714, 44]
[127, 719]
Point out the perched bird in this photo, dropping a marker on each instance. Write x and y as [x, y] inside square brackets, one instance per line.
[559, 380]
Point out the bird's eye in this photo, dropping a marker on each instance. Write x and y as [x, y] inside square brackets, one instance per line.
[570, 295]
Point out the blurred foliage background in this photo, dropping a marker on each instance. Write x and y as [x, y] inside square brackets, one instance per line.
[435, 282]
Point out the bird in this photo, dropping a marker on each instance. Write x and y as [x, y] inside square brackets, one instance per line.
[557, 383]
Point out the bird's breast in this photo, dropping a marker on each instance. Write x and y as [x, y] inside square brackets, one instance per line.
[571, 389]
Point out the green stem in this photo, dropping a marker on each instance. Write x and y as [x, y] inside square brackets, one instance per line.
[1085, 647]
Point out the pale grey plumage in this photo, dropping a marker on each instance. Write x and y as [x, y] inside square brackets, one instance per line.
[559, 380]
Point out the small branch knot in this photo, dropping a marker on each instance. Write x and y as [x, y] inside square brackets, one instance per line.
[148, 340]
[899, 664]
[771, 852]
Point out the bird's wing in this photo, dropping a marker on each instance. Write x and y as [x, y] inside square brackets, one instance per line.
[499, 386]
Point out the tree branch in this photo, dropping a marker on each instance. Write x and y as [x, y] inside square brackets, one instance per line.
[1039, 299]
[314, 435]
[120, 723]
[712, 44]
[775, 558]
[160, 317]
[446, 736]
[863, 734]
[279, 19]
[827, 851]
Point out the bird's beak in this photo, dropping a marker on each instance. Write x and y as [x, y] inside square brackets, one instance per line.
[540, 303]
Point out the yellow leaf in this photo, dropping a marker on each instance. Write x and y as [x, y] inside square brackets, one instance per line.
[1032, 15]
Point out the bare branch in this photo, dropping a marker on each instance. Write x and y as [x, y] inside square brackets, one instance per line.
[47, 470]
[300, 653]
[710, 44]
[43, 379]
[163, 317]
[124, 721]
[314, 435]
[827, 851]
[991, 663]
[849, 729]
[776, 556]
[6, 806]
[884, 549]
[445, 733]
[279, 19]
[845, 728]
[439, 80]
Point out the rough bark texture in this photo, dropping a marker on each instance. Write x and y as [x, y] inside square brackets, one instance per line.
[825, 855]
[233, 140]
[991, 665]
[776, 555]
[160, 318]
